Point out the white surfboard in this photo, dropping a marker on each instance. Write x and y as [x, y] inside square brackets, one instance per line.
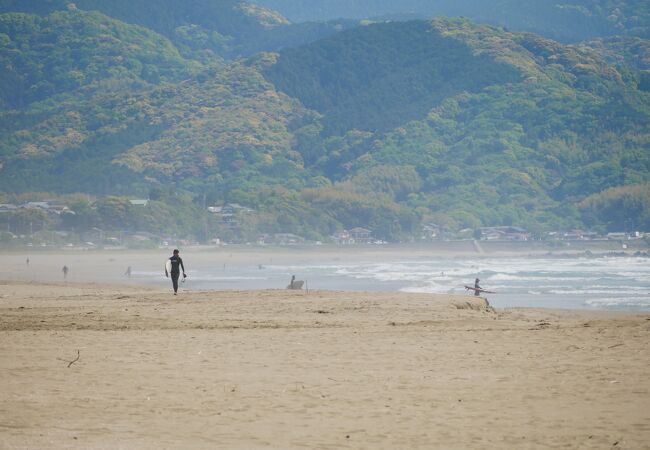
[168, 266]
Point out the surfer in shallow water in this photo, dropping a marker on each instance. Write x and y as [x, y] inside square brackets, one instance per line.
[176, 263]
[476, 286]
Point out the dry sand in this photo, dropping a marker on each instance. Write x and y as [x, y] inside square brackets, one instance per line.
[321, 370]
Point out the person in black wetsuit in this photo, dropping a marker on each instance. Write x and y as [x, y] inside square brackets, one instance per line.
[177, 264]
[477, 286]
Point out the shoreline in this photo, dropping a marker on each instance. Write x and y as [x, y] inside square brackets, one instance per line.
[242, 268]
[466, 301]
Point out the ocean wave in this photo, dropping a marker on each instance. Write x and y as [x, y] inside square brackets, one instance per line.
[631, 302]
[225, 278]
[420, 290]
[143, 273]
[613, 282]
[429, 290]
[612, 290]
[537, 277]
[297, 268]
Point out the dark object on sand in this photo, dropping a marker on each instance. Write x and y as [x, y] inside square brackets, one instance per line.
[295, 284]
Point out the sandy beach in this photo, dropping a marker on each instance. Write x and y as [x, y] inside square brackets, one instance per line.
[105, 366]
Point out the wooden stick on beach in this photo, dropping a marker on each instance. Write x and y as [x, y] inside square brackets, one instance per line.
[70, 362]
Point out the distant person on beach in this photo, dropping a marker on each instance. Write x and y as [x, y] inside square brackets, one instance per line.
[65, 272]
[295, 284]
[27, 262]
[176, 264]
[128, 272]
[477, 286]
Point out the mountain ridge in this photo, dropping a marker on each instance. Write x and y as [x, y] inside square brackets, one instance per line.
[227, 28]
[569, 21]
[555, 125]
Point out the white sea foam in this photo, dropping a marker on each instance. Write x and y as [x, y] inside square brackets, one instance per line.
[225, 278]
[144, 273]
[561, 282]
[620, 301]
[429, 289]
[613, 290]
[421, 290]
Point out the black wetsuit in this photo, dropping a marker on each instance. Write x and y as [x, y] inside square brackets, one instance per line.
[177, 263]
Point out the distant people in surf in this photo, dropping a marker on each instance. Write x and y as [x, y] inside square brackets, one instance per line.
[65, 271]
[128, 272]
[173, 267]
[477, 287]
[295, 284]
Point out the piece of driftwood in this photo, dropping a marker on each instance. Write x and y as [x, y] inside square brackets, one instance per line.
[70, 362]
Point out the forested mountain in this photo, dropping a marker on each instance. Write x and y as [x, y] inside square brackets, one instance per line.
[378, 77]
[384, 126]
[65, 51]
[229, 28]
[557, 123]
[632, 52]
[571, 21]
[75, 112]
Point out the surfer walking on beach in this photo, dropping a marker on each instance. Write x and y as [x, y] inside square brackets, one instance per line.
[172, 267]
[478, 290]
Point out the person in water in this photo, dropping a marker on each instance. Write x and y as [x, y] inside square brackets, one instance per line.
[65, 272]
[177, 264]
[476, 286]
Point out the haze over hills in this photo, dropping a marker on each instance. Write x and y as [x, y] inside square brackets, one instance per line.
[384, 126]
[570, 21]
[228, 28]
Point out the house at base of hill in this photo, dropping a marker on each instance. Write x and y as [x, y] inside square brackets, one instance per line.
[504, 233]
[280, 239]
[49, 206]
[353, 236]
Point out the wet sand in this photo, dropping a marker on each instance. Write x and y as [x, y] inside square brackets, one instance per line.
[322, 370]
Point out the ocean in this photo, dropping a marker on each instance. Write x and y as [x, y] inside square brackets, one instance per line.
[612, 283]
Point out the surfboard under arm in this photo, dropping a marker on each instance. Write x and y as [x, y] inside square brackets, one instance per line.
[168, 266]
[472, 288]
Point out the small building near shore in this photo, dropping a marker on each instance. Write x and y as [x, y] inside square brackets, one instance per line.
[504, 233]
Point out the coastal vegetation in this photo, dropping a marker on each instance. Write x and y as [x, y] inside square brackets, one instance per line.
[385, 126]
